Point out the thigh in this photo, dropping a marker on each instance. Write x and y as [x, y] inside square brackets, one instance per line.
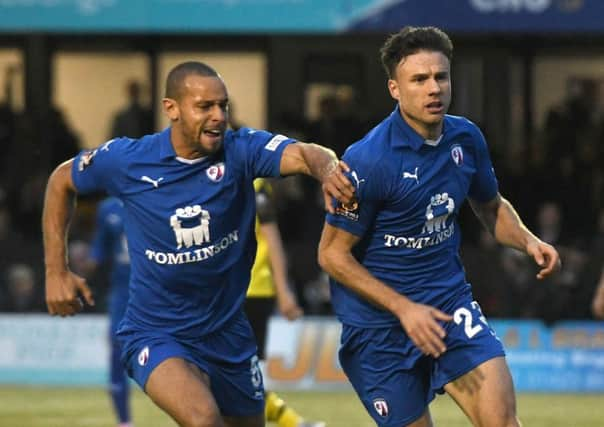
[389, 374]
[239, 390]
[183, 391]
[486, 394]
[470, 342]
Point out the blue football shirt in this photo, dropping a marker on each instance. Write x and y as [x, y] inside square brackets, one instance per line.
[110, 246]
[189, 225]
[409, 194]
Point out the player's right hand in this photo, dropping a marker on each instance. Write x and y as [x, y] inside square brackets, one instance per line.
[288, 306]
[421, 322]
[337, 185]
[63, 292]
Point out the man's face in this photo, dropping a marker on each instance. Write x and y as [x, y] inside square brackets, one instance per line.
[201, 113]
[422, 87]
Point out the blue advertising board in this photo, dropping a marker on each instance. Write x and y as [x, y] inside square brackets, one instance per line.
[568, 357]
[303, 355]
[300, 16]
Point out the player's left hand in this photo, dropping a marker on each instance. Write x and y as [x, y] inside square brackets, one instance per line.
[337, 185]
[546, 257]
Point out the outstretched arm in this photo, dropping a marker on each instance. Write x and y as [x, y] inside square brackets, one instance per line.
[62, 286]
[322, 164]
[419, 321]
[502, 220]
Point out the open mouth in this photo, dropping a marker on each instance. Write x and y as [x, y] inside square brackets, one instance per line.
[213, 135]
[435, 107]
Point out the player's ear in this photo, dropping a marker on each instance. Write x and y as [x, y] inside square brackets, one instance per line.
[171, 108]
[393, 88]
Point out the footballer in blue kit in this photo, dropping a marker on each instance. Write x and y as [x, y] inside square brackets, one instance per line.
[110, 247]
[411, 327]
[189, 215]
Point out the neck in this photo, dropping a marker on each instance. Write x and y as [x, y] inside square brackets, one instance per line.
[426, 130]
[184, 149]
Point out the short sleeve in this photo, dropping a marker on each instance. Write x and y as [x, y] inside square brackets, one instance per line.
[484, 186]
[100, 169]
[263, 151]
[370, 193]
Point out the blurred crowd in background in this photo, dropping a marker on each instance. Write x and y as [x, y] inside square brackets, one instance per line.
[556, 182]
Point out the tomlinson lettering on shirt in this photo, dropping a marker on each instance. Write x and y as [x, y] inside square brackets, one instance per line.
[419, 242]
[196, 255]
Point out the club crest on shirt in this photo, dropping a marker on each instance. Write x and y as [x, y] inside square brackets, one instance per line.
[216, 172]
[348, 210]
[86, 160]
[457, 154]
[381, 407]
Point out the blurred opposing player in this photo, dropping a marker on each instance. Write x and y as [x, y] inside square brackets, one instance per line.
[393, 255]
[597, 304]
[110, 247]
[269, 282]
[189, 207]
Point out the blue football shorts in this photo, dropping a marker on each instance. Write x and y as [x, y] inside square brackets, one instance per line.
[396, 381]
[227, 356]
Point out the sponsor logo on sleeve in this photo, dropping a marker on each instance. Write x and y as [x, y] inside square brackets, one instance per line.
[275, 142]
[348, 210]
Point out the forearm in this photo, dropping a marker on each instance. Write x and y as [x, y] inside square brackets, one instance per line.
[509, 230]
[310, 159]
[344, 268]
[504, 223]
[59, 202]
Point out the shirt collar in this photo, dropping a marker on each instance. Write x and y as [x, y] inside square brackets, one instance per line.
[405, 135]
[166, 150]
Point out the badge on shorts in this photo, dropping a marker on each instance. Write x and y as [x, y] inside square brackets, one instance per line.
[381, 406]
[143, 356]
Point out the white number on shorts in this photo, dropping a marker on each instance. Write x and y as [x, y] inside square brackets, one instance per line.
[462, 314]
[255, 371]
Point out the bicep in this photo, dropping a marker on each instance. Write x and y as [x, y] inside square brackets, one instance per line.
[334, 239]
[62, 177]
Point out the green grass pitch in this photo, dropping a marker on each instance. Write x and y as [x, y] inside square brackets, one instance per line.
[90, 407]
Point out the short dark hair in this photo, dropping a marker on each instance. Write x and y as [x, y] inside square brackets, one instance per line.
[410, 40]
[177, 76]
